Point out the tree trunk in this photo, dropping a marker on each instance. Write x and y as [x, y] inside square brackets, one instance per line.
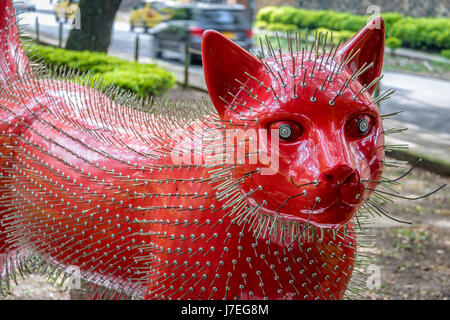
[97, 19]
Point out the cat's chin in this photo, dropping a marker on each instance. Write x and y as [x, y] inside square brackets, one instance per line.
[332, 217]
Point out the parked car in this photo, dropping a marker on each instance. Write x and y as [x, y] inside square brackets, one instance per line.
[149, 13]
[189, 21]
[24, 6]
[66, 9]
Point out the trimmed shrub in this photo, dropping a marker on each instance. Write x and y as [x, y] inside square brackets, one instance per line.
[261, 24]
[303, 18]
[342, 35]
[281, 27]
[390, 18]
[423, 33]
[264, 14]
[393, 43]
[142, 78]
[420, 33]
[446, 53]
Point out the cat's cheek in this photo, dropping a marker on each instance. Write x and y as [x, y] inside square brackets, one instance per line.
[375, 162]
[369, 151]
[335, 216]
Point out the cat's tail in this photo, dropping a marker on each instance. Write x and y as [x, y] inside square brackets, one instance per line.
[13, 61]
[14, 66]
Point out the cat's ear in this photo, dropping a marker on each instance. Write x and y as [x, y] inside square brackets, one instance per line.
[370, 43]
[223, 63]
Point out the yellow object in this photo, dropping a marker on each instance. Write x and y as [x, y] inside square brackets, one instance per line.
[229, 35]
[148, 15]
[66, 9]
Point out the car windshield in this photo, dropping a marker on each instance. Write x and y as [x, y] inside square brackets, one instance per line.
[222, 16]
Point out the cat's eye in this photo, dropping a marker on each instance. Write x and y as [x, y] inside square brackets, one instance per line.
[288, 131]
[359, 126]
[285, 131]
[363, 125]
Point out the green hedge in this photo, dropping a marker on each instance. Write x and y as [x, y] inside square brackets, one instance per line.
[142, 78]
[446, 53]
[281, 27]
[422, 33]
[393, 43]
[338, 36]
[314, 19]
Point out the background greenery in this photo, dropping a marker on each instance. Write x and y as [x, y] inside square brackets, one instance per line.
[417, 33]
[142, 78]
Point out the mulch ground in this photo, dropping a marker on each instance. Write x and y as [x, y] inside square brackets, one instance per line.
[414, 258]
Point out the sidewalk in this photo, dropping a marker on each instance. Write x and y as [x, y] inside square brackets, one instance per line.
[410, 53]
[432, 147]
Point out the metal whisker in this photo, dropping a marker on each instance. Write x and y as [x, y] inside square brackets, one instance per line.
[306, 224]
[399, 178]
[408, 198]
[384, 212]
[315, 182]
[89, 177]
[284, 203]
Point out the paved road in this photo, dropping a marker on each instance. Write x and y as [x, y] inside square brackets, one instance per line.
[425, 101]
[122, 40]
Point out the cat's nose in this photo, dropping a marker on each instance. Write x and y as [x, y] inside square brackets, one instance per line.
[348, 183]
[340, 174]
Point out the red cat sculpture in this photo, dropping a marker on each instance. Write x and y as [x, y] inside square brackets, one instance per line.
[256, 199]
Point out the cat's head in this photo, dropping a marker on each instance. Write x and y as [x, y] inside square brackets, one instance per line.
[318, 104]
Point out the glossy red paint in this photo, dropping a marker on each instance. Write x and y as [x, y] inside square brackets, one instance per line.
[370, 43]
[326, 151]
[10, 49]
[88, 192]
[11, 55]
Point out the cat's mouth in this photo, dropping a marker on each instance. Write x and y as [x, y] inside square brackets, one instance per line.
[332, 215]
[328, 205]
